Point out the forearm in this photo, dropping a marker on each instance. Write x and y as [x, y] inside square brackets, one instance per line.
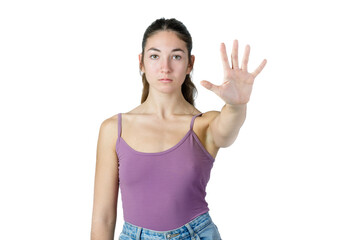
[102, 231]
[227, 125]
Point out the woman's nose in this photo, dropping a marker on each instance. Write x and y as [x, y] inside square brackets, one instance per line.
[165, 65]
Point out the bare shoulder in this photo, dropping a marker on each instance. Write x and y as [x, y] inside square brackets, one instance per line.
[108, 128]
[203, 123]
[110, 123]
[208, 117]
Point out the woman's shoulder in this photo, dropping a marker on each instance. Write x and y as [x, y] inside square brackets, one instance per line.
[209, 116]
[110, 120]
[108, 131]
[109, 124]
[113, 121]
[202, 123]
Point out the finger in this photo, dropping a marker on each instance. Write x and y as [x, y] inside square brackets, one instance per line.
[234, 55]
[245, 59]
[260, 68]
[212, 87]
[224, 57]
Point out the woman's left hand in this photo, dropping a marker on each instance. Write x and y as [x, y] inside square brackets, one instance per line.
[238, 82]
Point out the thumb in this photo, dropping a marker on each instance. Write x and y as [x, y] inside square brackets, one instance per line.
[212, 87]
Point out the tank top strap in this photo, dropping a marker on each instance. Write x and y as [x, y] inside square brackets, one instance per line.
[119, 124]
[193, 119]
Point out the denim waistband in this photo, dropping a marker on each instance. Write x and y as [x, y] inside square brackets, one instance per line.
[190, 229]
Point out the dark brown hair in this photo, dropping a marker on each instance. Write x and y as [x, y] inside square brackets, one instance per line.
[188, 88]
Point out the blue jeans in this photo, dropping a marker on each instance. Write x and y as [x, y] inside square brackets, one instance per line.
[200, 228]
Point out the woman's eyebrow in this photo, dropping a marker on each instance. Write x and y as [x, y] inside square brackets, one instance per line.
[178, 49]
[174, 50]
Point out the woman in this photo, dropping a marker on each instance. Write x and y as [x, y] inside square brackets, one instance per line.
[161, 153]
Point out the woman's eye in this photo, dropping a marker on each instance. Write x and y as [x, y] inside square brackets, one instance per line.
[154, 56]
[177, 57]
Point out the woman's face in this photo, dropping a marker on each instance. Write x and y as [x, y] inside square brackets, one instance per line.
[166, 62]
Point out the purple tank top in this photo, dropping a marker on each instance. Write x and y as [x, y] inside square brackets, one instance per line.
[164, 190]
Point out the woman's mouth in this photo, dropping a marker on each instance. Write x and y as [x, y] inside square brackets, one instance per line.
[165, 80]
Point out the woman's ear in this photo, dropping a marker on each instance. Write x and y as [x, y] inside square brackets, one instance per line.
[191, 64]
[140, 64]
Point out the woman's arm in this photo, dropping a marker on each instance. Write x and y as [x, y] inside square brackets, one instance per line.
[225, 127]
[235, 91]
[106, 183]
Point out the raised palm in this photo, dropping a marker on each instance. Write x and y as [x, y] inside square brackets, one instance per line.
[238, 82]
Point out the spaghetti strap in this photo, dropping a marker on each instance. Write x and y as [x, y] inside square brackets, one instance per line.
[193, 119]
[119, 124]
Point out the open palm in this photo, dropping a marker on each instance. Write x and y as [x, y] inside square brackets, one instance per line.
[238, 82]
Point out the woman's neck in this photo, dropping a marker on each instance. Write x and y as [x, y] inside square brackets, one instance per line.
[166, 105]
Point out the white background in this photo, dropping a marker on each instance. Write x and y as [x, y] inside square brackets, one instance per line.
[293, 172]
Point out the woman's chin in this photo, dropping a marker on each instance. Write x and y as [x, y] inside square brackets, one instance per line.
[167, 89]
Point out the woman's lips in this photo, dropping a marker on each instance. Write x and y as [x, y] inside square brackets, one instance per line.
[165, 80]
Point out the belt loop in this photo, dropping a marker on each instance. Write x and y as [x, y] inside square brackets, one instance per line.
[138, 233]
[190, 230]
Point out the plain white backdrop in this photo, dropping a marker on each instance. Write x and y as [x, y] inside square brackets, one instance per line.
[293, 172]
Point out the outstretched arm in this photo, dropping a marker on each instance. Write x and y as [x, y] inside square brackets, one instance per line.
[235, 91]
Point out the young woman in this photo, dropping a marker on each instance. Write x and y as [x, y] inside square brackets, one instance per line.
[161, 153]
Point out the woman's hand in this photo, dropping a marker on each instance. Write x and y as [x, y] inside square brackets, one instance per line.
[238, 82]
